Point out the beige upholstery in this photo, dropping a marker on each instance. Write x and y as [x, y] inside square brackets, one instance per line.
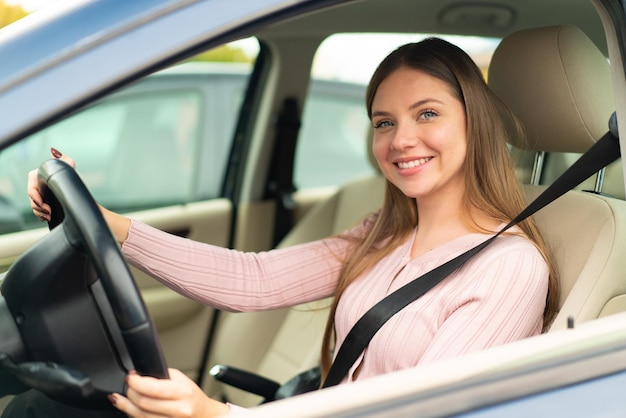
[587, 234]
[578, 75]
[559, 84]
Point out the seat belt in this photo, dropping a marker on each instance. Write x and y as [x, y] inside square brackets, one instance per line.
[280, 185]
[602, 153]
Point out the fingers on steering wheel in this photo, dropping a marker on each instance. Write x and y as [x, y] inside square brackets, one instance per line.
[124, 405]
[41, 209]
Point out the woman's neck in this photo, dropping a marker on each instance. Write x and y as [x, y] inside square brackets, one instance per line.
[441, 224]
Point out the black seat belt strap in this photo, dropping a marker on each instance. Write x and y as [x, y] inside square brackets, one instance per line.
[602, 153]
[280, 185]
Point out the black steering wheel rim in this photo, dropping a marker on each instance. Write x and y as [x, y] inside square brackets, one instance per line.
[86, 228]
[75, 304]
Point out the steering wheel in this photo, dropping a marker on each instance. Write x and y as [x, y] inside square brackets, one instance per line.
[80, 319]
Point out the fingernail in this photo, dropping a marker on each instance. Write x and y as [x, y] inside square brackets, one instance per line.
[112, 398]
[56, 153]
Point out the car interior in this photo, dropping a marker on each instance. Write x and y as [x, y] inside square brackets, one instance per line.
[550, 67]
[524, 70]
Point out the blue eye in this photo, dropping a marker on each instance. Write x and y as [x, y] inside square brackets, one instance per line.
[428, 114]
[382, 124]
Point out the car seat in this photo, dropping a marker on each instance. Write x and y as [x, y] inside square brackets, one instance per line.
[559, 84]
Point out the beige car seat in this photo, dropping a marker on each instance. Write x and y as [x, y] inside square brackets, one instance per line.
[559, 84]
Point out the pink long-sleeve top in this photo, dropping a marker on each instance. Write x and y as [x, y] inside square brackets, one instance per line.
[497, 297]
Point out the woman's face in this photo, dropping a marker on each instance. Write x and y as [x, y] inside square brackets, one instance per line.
[420, 139]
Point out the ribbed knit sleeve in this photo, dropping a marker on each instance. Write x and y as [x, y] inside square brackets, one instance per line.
[233, 280]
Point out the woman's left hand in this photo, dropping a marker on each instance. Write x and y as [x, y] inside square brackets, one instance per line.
[177, 396]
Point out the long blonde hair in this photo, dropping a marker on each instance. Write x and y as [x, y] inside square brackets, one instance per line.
[491, 186]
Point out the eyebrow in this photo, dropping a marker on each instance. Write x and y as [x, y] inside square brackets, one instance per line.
[415, 105]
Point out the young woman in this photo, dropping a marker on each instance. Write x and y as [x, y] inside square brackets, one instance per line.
[440, 140]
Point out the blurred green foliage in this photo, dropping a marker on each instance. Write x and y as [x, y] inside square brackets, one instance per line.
[224, 53]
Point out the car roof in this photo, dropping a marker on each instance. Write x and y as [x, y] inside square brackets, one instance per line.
[495, 18]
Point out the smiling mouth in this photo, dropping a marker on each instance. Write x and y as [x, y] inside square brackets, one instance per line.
[414, 163]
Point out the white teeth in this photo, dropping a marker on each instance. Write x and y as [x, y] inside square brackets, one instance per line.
[414, 163]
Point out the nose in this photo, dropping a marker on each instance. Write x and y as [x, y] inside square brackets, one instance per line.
[405, 136]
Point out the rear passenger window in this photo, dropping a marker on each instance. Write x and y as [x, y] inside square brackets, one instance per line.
[331, 146]
[162, 141]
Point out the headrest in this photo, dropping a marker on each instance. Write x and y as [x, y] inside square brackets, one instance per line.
[558, 83]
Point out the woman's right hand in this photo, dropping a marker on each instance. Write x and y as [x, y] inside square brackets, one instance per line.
[41, 209]
[178, 396]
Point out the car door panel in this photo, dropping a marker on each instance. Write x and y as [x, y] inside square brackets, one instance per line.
[182, 323]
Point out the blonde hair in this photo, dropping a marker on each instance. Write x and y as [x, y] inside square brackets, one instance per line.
[492, 185]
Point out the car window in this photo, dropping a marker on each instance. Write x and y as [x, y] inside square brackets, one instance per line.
[331, 147]
[142, 147]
